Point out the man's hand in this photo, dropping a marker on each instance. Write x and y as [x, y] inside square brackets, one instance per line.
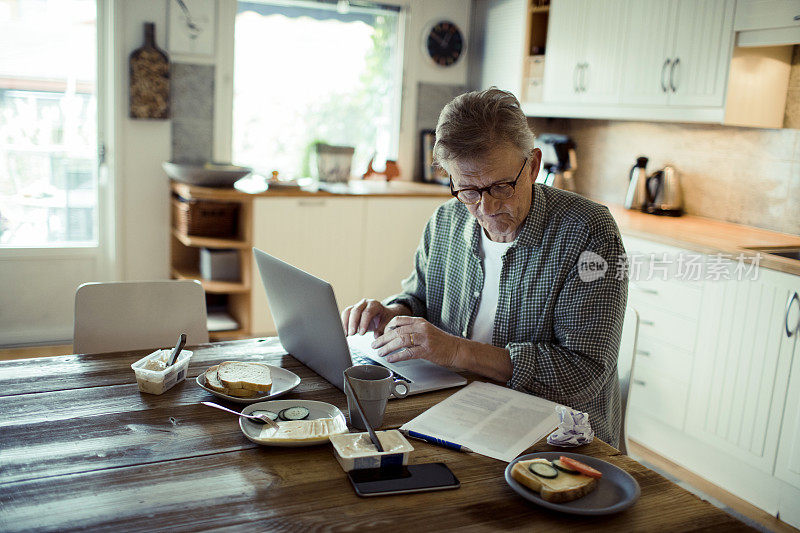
[416, 338]
[370, 315]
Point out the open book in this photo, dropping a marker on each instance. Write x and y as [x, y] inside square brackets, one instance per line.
[488, 419]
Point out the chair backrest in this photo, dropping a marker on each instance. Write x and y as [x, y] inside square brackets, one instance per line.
[625, 363]
[138, 315]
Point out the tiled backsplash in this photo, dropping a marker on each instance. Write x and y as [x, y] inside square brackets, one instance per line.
[743, 175]
[192, 112]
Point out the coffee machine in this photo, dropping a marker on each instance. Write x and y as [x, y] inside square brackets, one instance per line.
[558, 161]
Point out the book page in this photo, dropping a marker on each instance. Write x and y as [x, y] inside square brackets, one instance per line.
[489, 419]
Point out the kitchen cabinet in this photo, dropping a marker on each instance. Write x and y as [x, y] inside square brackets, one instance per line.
[502, 58]
[739, 385]
[362, 246]
[787, 465]
[585, 40]
[716, 386]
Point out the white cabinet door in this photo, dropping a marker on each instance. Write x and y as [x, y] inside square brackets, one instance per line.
[787, 466]
[648, 49]
[323, 236]
[504, 52]
[564, 51]
[742, 366]
[603, 37]
[392, 233]
[702, 52]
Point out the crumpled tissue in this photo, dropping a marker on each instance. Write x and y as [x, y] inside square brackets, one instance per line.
[574, 429]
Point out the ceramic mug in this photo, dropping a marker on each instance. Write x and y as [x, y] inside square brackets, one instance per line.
[374, 385]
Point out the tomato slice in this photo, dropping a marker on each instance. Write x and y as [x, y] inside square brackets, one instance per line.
[586, 470]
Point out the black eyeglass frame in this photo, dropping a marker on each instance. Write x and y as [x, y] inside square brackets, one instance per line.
[488, 189]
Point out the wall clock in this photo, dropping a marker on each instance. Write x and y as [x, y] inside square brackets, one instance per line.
[444, 43]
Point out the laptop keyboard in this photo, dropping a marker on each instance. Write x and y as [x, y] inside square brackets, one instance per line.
[358, 358]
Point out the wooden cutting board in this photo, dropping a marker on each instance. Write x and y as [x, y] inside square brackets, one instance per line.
[149, 79]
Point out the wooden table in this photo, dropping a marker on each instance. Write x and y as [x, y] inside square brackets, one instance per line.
[82, 448]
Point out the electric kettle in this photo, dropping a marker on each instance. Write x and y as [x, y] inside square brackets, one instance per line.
[664, 196]
[637, 187]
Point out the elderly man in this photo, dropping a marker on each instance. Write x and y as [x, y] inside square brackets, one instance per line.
[501, 285]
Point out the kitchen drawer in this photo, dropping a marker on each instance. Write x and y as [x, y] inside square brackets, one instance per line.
[658, 397]
[663, 357]
[675, 296]
[666, 326]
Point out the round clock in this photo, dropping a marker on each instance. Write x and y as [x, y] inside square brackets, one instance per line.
[444, 43]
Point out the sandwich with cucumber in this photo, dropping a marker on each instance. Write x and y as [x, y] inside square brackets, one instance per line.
[558, 481]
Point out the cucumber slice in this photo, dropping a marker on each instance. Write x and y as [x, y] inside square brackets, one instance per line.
[544, 470]
[564, 468]
[270, 414]
[294, 413]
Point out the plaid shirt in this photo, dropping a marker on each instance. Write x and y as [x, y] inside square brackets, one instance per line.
[563, 333]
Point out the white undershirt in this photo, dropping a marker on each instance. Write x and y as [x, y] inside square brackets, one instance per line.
[492, 255]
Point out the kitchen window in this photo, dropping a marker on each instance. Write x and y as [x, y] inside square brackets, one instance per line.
[307, 72]
[48, 123]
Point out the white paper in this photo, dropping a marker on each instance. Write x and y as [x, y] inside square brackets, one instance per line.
[489, 419]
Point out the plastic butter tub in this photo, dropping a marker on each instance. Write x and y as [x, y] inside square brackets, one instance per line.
[152, 376]
[355, 450]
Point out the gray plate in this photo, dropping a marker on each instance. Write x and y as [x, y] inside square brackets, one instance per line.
[615, 491]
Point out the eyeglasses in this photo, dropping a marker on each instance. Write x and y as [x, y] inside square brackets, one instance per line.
[500, 191]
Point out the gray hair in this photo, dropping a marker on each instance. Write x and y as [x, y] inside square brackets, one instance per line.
[475, 123]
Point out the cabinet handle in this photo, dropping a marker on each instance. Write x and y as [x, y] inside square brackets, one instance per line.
[575, 72]
[672, 85]
[640, 382]
[796, 17]
[643, 352]
[310, 203]
[663, 71]
[585, 77]
[796, 330]
[644, 290]
[648, 323]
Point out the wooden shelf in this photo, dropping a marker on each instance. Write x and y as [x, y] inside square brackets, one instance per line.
[540, 9]
[209, 242]
[228, 334]
[211, 286]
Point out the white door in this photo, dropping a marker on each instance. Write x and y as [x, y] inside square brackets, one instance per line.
[564, 51]
[702, 52]
[604, 35]
[648, 47]
[323, 236]
[56, 214]
[742, 366]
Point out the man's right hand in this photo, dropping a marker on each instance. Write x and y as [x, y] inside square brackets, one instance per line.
[370, 315]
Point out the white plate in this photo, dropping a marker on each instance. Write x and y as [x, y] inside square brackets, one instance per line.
[282, 382]
[252, 430]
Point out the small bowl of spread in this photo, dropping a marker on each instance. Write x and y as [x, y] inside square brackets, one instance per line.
[154, 376]
[355, 450]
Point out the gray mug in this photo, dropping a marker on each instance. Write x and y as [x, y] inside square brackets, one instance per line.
[374, 385]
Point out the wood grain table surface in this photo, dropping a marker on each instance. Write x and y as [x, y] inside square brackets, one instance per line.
[82, 448]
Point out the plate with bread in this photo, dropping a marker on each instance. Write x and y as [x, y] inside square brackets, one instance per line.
[572, 483]
[247, 382]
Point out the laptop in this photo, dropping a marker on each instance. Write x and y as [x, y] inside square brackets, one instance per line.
[309, 327]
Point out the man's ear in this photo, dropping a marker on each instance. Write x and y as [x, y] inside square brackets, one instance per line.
[535, 161]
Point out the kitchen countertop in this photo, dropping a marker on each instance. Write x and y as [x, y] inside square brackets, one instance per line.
[707, 236]
[691, 232]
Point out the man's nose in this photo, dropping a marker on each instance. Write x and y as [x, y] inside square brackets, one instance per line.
[488, 202]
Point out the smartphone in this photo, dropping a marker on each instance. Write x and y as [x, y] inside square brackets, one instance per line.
[402, 479]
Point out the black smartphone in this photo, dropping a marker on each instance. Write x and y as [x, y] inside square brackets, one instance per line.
[401, 479]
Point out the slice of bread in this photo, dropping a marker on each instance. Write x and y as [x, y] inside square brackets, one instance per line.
[562, 488]
[213, 382]
[241, 375]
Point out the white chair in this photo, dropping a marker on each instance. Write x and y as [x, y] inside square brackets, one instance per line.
[625, 363]
[138, 315]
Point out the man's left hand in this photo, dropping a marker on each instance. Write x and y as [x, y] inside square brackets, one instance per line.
[416, 338]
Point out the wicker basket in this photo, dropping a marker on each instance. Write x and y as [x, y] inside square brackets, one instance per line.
[206, 219]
